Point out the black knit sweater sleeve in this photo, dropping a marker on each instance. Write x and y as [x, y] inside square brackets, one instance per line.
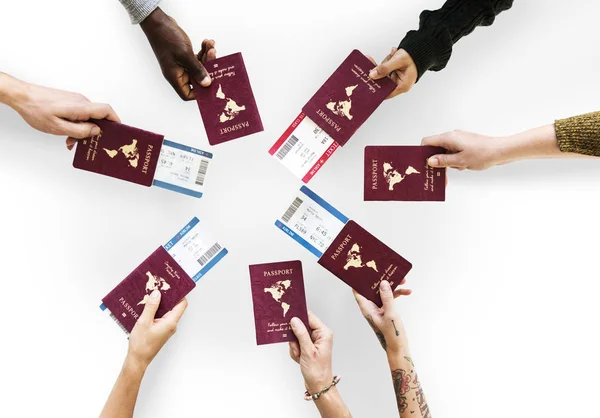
[431, 46]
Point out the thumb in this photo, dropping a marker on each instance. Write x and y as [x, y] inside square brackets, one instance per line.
[197, 71]
[302, 334]
[151, 307]
[445, 160]
[387, 296]
[382, 70]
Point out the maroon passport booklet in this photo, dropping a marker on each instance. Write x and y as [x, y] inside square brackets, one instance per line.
[402, 173]
[228, 107]
[348, 98]
[158, 272]
[120, 151]
[362, 261]
[278, 296]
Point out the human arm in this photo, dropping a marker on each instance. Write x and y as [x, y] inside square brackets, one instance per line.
[313, 352]
[430, 47]
[173, 50]
[388, 327]
[147, 338]
[52, 111]
[574, 137]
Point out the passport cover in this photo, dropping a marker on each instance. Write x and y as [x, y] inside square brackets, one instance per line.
[348, 98]
[402, 173]
[362, 261]
[227, 106]
[120, 151]
[278, 296]
[159, 271]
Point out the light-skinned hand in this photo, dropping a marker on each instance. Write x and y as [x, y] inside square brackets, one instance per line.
[59, 112]
[384, 321]
[174, 52]
[466, 150]
[149, 334]
[401, 68]
[313, 352]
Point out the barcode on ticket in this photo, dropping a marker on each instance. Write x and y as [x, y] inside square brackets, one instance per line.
[287, 147]
[202, 172]
[291, 210]
[210, 253]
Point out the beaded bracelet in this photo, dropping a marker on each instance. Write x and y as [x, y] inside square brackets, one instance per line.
[315, 396]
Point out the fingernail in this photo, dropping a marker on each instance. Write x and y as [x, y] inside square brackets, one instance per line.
[385, 285]
[433, 162]
[95, 131]
[205, 81]
[295, 322]
[373, 73]
[155, 295]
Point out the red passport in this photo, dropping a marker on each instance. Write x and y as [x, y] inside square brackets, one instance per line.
[120, 151]
[159, 271]
[278, 296]
[348, 98]
[362, 261]
[401, 173]
[227, 106]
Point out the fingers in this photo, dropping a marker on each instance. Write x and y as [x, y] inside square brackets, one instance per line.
[208, 51]
[70, 143]
[301, 334]
[150, 308]
[295, 351]
[77, 130]
[402, 292]
[387, 296]
[175, 314]
[382, 70]
[196, 70]
[372, 59]
[87, 111]
[315, 323]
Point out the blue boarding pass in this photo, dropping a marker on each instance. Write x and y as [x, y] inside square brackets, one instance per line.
[182, 169]
[311, 221]
[195, 250]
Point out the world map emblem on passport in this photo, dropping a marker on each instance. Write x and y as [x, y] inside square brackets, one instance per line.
[158, 272]
[348, 97]
[401, 173]
[120, 151]
[362, 261]
[227, 106]
[278, 296]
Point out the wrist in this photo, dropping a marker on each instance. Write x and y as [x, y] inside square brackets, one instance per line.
[317, 385]
[135, 364]
[12, 90]
[398, 356]
[154, 19]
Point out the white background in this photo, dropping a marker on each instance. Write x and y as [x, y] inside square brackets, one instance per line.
[503, 320]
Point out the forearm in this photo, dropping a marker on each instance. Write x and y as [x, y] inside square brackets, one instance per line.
[331, 405]
[407, 388]
[431, 45]
[11, 90]
[539, 142]
[122, 399]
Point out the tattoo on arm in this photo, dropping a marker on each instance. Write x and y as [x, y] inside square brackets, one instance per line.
[377, 332]
[395, 329]
[403, 389]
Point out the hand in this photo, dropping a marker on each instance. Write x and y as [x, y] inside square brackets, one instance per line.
[149, 335]
[59, 112]
[467, 151]
[400, 67]
[313, 352]
[173, 50]
[386, 323]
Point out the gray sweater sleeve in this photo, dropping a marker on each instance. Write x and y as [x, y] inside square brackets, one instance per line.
[139, 9]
